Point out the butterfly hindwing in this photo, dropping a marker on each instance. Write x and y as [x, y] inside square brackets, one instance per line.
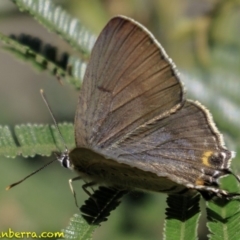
[186, 147]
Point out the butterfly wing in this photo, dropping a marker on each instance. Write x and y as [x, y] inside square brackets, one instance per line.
[129, 81]
[185, 147]
[132, 110]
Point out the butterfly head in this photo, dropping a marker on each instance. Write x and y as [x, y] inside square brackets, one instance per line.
[64, 159]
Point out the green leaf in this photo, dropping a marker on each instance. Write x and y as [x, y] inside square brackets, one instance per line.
[99, 205]
[223, 215]
[35, 139]
[182, 216]
[59, 21]
[26, 50]
[95, 210]
[79, 229]
[7, 144]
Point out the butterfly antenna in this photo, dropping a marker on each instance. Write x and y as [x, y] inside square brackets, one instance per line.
[53, 118]
[66, 149]
[16, 183]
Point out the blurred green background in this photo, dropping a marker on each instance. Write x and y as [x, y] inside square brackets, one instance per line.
[202, 37]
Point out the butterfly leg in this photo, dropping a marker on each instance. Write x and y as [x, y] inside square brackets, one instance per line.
[72, 190]
[87, 185]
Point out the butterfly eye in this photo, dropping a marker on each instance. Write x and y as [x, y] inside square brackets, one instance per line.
[64, 160]
[65, 163]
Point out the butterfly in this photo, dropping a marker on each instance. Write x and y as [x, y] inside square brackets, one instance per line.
[134, 128]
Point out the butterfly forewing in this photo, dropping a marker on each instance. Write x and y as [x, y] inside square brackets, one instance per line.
[129, 81]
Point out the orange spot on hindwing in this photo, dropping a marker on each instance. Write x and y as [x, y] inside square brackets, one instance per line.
[205, 158]
[199, 182]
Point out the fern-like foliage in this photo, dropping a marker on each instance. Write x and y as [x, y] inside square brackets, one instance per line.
[182, 215]
[55, 19]
[47, 50]
[98, 207]
[224, 215]
[44, 57]
[78, 229]
[29, 140]
[95, 210]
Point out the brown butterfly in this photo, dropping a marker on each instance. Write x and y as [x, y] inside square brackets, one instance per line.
[134, 129]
